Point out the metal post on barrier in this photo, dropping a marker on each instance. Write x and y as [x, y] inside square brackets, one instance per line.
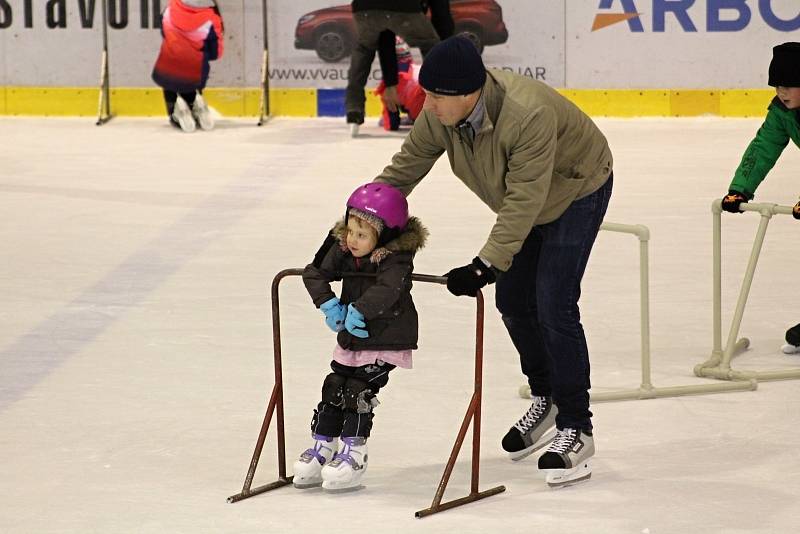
[275, 406]
[719, 364]
[646, 390]
[104, 99]
[263, 108]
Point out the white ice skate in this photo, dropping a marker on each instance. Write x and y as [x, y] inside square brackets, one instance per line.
[308, 468]
[348, 466]
[183, 116]
[202, 114]
[790, 349]
[567, 458]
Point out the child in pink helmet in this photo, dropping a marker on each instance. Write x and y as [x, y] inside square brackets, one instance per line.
[376, 324]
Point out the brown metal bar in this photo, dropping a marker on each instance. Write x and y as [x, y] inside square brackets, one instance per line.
[476, 427]
[276, 344]
[472, 497]
[474, 414]
[276, 405]
[451, 461]
[251, 471]
[275, 402]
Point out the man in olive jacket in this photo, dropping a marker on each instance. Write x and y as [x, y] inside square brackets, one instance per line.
[545, 169]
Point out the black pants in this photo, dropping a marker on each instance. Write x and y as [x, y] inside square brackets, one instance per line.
[333, 421]
[538, 299]
[170, 97]
[414, 28]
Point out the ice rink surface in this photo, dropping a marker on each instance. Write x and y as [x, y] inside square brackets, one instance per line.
[136, 346]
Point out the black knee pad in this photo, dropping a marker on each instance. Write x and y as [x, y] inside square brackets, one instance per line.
[358, 396]
[793, 335]
[333, 389]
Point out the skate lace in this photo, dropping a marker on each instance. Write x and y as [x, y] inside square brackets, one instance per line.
[564, 441]
[532, 416]
[312, 453]
[344, 456]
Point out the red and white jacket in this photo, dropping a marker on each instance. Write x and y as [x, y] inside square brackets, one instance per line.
[193, 36]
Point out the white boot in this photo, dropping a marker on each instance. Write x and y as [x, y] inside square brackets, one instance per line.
[308, 468]
[183, 115]
[347, 467]
[201, 113]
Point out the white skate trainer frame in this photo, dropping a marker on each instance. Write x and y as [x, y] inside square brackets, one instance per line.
[719, 364]
[646, 390]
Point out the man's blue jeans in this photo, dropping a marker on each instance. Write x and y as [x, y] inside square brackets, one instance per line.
[538, 300]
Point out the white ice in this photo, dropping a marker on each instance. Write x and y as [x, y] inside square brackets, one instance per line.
[136, 344]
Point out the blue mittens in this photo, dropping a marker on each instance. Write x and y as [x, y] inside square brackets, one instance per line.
[334, 314]
[354, 323]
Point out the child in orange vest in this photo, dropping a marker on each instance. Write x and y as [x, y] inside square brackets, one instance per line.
[192, 32]
[409, 92]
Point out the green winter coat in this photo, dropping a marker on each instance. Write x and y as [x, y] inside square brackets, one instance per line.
[781, 125]
[384, 299]
[535, 154]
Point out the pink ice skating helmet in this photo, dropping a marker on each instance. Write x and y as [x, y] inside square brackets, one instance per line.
[382, 201]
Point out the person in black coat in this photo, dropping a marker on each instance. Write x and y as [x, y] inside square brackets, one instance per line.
[371, 250]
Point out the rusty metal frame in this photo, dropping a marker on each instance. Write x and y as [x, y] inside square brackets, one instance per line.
[275, 404]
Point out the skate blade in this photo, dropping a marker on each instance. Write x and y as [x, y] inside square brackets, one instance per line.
[561, 478]
[303, 485]
[543, 441]
[354, 130]
[206, 123]
[790, 349]
[186, 122]
[332, 488]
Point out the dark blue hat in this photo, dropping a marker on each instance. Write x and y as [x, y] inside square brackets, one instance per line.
[784, 69]
[453, 67]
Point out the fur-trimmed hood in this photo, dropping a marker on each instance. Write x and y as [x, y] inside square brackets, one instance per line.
[411, 240]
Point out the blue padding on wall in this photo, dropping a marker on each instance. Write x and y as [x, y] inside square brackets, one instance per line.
[330, 102]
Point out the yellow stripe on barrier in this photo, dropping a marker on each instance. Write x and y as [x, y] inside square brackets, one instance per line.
[294, 102]
[745, 102]
[620, 102]
[137, 102]
[692, 103]
[51, 101]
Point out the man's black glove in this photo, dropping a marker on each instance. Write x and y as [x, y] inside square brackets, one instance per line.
[796, 211]
[467, 280]
[732, 201]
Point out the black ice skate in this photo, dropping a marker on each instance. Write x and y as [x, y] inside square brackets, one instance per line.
[792, 340]
[567, 458]
[355, 119]
[533, 431]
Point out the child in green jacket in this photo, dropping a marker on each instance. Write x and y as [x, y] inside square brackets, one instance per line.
[781, 125]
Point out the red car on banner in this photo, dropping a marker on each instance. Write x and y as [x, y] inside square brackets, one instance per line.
[331, 31]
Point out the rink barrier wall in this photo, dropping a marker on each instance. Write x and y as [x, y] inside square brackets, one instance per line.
[310, 102]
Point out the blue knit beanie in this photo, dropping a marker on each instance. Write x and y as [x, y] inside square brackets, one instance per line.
[453, 67]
